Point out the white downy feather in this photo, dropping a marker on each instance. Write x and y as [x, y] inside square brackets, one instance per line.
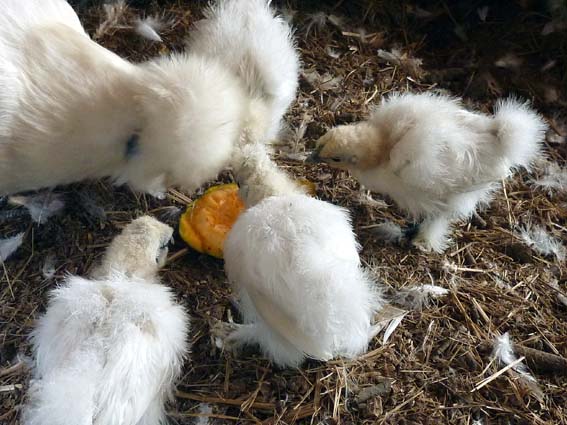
[420, 296]
[149, 28]
[504, 353]
[396, 57]
[387, 318]
[10, 245]
[365, 198]
[114, 12]
[315, 21]
[537, 238]
[553, 180]
[394, 323]
[48, 269]
[41, 206]
[388, 232]
[204, 409]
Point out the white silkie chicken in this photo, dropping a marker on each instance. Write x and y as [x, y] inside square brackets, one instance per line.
[108, 351]
[293, 262]
[258, 46]
[71, 109]
[435, 159]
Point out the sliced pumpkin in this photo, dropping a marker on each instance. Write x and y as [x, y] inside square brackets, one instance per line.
[207, 220]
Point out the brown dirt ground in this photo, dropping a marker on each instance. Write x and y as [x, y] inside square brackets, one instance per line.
[436, 357]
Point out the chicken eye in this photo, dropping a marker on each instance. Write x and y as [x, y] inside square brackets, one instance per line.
[336, 159]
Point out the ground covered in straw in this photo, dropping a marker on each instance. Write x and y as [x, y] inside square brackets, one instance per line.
[432, 368]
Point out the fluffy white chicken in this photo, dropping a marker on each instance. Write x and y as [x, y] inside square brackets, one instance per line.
[108, 351]
[73, 110]
[293, 262]
[435, 159]
[259, 47]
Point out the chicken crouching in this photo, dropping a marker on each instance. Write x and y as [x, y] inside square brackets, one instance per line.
[435, 159]
[293, 262]
[294, 265]
[108, 351]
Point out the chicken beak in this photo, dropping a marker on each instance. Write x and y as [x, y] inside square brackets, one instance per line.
[314, 158]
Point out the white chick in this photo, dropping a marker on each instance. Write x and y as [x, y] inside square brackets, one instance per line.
[108, 351]
[293, 262]
[72, 110]
[258, 46]
[434, 158]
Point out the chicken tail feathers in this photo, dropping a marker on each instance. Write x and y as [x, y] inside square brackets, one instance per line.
[520, 131]
[258, 46]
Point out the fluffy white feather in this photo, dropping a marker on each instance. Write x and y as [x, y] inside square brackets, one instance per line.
[205, 409]
[388, 231]
[554, 178]
[420, 296]
[293, 261]
[72, 110]
[10, 245]
[107, 351]
[504, 352]
[149, 28]
[537, 238]
[434, 158]
[258, 46]
[41, 206]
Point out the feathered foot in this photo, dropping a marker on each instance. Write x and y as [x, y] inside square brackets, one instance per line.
[222, 334]
[391, 233]
[432, 235]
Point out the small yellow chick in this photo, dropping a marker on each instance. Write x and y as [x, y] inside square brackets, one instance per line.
[435, 159]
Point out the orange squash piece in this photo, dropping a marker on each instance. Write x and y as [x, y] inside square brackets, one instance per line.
[207, 220]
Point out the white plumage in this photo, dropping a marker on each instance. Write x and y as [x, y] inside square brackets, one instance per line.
[108, 351]
[72, 110]
[293, 262]
[435, 159]
[258, 46]
[139, 251]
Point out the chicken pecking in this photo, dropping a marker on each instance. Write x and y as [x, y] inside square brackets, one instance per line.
[435, 159]
[294, 265]
[108, 351]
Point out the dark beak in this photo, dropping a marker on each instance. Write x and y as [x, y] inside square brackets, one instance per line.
[314, 158]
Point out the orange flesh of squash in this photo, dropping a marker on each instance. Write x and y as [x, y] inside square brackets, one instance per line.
[207, 220]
